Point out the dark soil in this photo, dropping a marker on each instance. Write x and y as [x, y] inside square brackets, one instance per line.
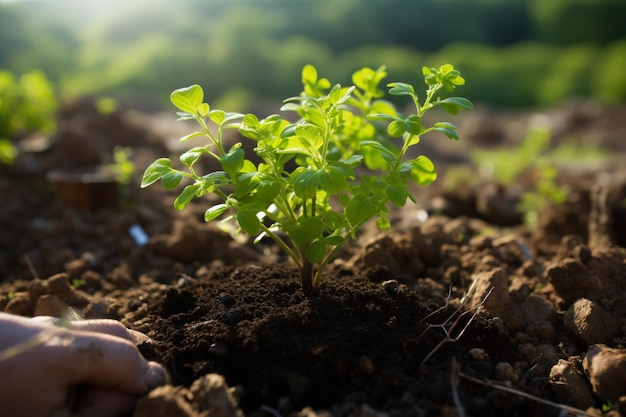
[372, 341]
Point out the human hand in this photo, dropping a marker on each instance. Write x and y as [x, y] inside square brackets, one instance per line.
[84, 368]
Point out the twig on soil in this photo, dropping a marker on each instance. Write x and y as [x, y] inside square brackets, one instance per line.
[450, 324]
[31, 267]
[270, 410]
[566, 408]
[454, 385]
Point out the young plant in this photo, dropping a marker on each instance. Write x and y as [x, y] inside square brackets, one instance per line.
[534, 159]
[348, 150]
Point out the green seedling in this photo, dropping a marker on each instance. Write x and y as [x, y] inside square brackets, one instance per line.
[78, 282]
[321, 178]
[122, 165]
[534, 159]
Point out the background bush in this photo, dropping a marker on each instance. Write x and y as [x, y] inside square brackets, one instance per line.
[515, 52]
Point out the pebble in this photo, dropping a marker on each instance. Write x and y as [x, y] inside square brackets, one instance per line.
[499, 301]
[590, 322]
[505, 371]
[50, 305]
[606, 369]
[572, 280]
[570, 385]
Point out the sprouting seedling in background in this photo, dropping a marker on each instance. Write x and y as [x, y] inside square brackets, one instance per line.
[349, 149]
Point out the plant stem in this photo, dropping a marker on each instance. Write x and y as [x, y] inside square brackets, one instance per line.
[306, 274]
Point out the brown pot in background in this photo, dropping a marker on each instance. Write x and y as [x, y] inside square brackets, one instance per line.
[86, 188]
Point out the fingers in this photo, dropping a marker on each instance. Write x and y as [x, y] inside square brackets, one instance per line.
[107, 326]
[104, 360]
[112, 327]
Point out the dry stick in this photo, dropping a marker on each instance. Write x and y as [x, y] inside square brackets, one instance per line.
[454, 385]
[490, 384]
[452, 321]
[31, 267]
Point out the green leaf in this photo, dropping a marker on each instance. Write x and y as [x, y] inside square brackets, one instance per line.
[354, 160]
[423, 172]
[359, 209]
[232, 161]
[445, 69]
[307, 230]
[401, 89]
[335, 94]
[185, 197]
[267, 191]
[447, 129]
[188, 99]
[310, 135]
[396, 128]
[430, 75]
[383, 223]
[203, 110]
[191, 135]
[316, 251]
[309, 74]
[221, 118]
[387, 153]
[249, 222]
[413, 125]
[332, 219]
[155, 171]
[161, 169]
[218, 116]
[334, 240]
[397, 195]
[214, 212]
[331, 179]
[346, 94]
[184, 116]
[245, 183]
[382, 116]
[383, 107]
[305, 183]
[171, 180]
[367, 80]
[452, 104]
[191, 156]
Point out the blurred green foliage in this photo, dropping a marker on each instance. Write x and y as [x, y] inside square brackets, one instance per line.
[517, 52]
[27, 105]
[535, 163]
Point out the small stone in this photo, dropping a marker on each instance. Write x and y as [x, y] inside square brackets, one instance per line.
[214, 397]
[19, 305]
[390, 285]
[498, 303]
[505, 370]
[606, 368]
[50, 305]
[590, 322]
[570, 385]
[165, 401]
[478, 354]
[572, 280]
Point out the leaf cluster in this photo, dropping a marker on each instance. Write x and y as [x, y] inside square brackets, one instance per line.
[349, 148]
